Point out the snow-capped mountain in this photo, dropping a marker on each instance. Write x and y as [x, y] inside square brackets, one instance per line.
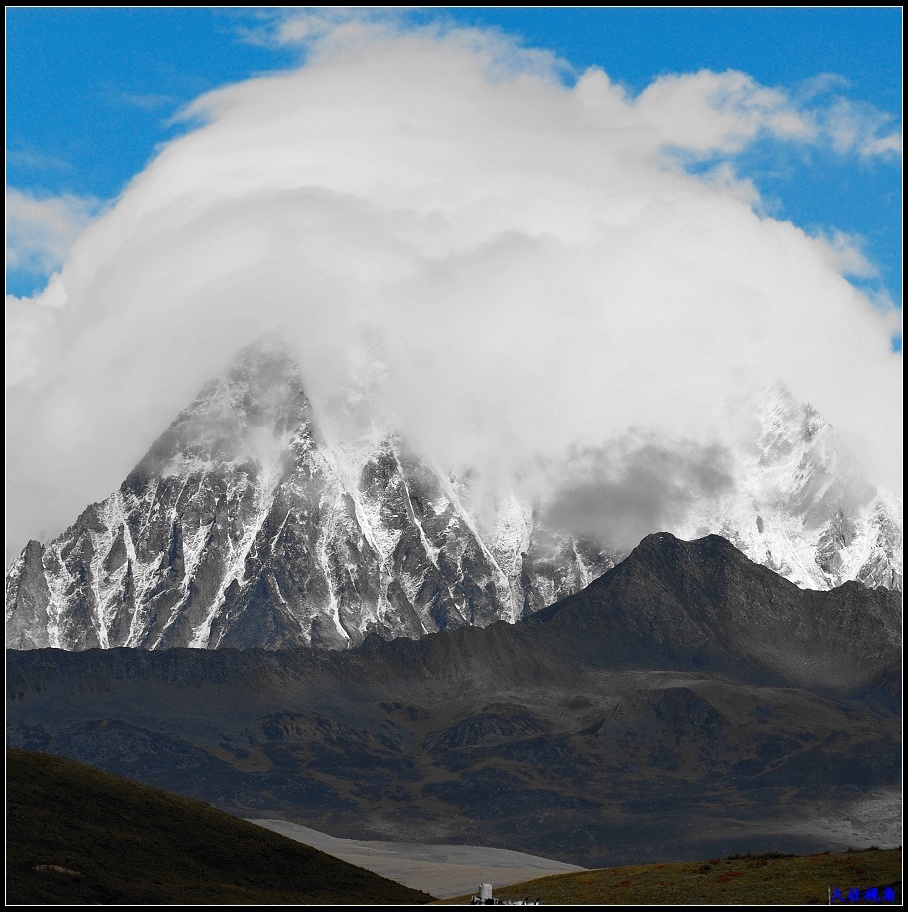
[244, 526]
[802, 506]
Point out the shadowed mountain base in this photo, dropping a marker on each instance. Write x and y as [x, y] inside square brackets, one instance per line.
[687, 704]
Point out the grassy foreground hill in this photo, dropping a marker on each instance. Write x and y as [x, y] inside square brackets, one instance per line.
[768, 879]
[76, 835]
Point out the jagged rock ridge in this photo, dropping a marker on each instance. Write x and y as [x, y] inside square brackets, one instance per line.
[242, 527]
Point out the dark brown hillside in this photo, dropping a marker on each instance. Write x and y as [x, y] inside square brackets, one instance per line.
[76, 836]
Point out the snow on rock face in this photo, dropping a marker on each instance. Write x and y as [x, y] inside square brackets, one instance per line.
[244, 527]
[802, 505]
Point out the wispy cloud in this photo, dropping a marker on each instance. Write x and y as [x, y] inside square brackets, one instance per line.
[37, 160]
[846, 254]
[710, 113]
[332, 31]
[40, 230]
[308, 26]
[149, 101]
[854, 127]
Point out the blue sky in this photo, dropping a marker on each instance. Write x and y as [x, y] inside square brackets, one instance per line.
[91, 93]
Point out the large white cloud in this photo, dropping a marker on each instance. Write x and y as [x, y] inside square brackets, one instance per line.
[529, 264]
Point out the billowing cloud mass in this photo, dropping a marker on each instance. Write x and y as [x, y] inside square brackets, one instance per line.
[516, 269]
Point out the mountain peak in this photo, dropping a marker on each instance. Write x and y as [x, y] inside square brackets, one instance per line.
[661, 547]
[668, 543]
[256, 406]
[268, 352]
[264, 375]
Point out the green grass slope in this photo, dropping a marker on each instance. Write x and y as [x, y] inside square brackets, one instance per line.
[769, 879]
[76, 835]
